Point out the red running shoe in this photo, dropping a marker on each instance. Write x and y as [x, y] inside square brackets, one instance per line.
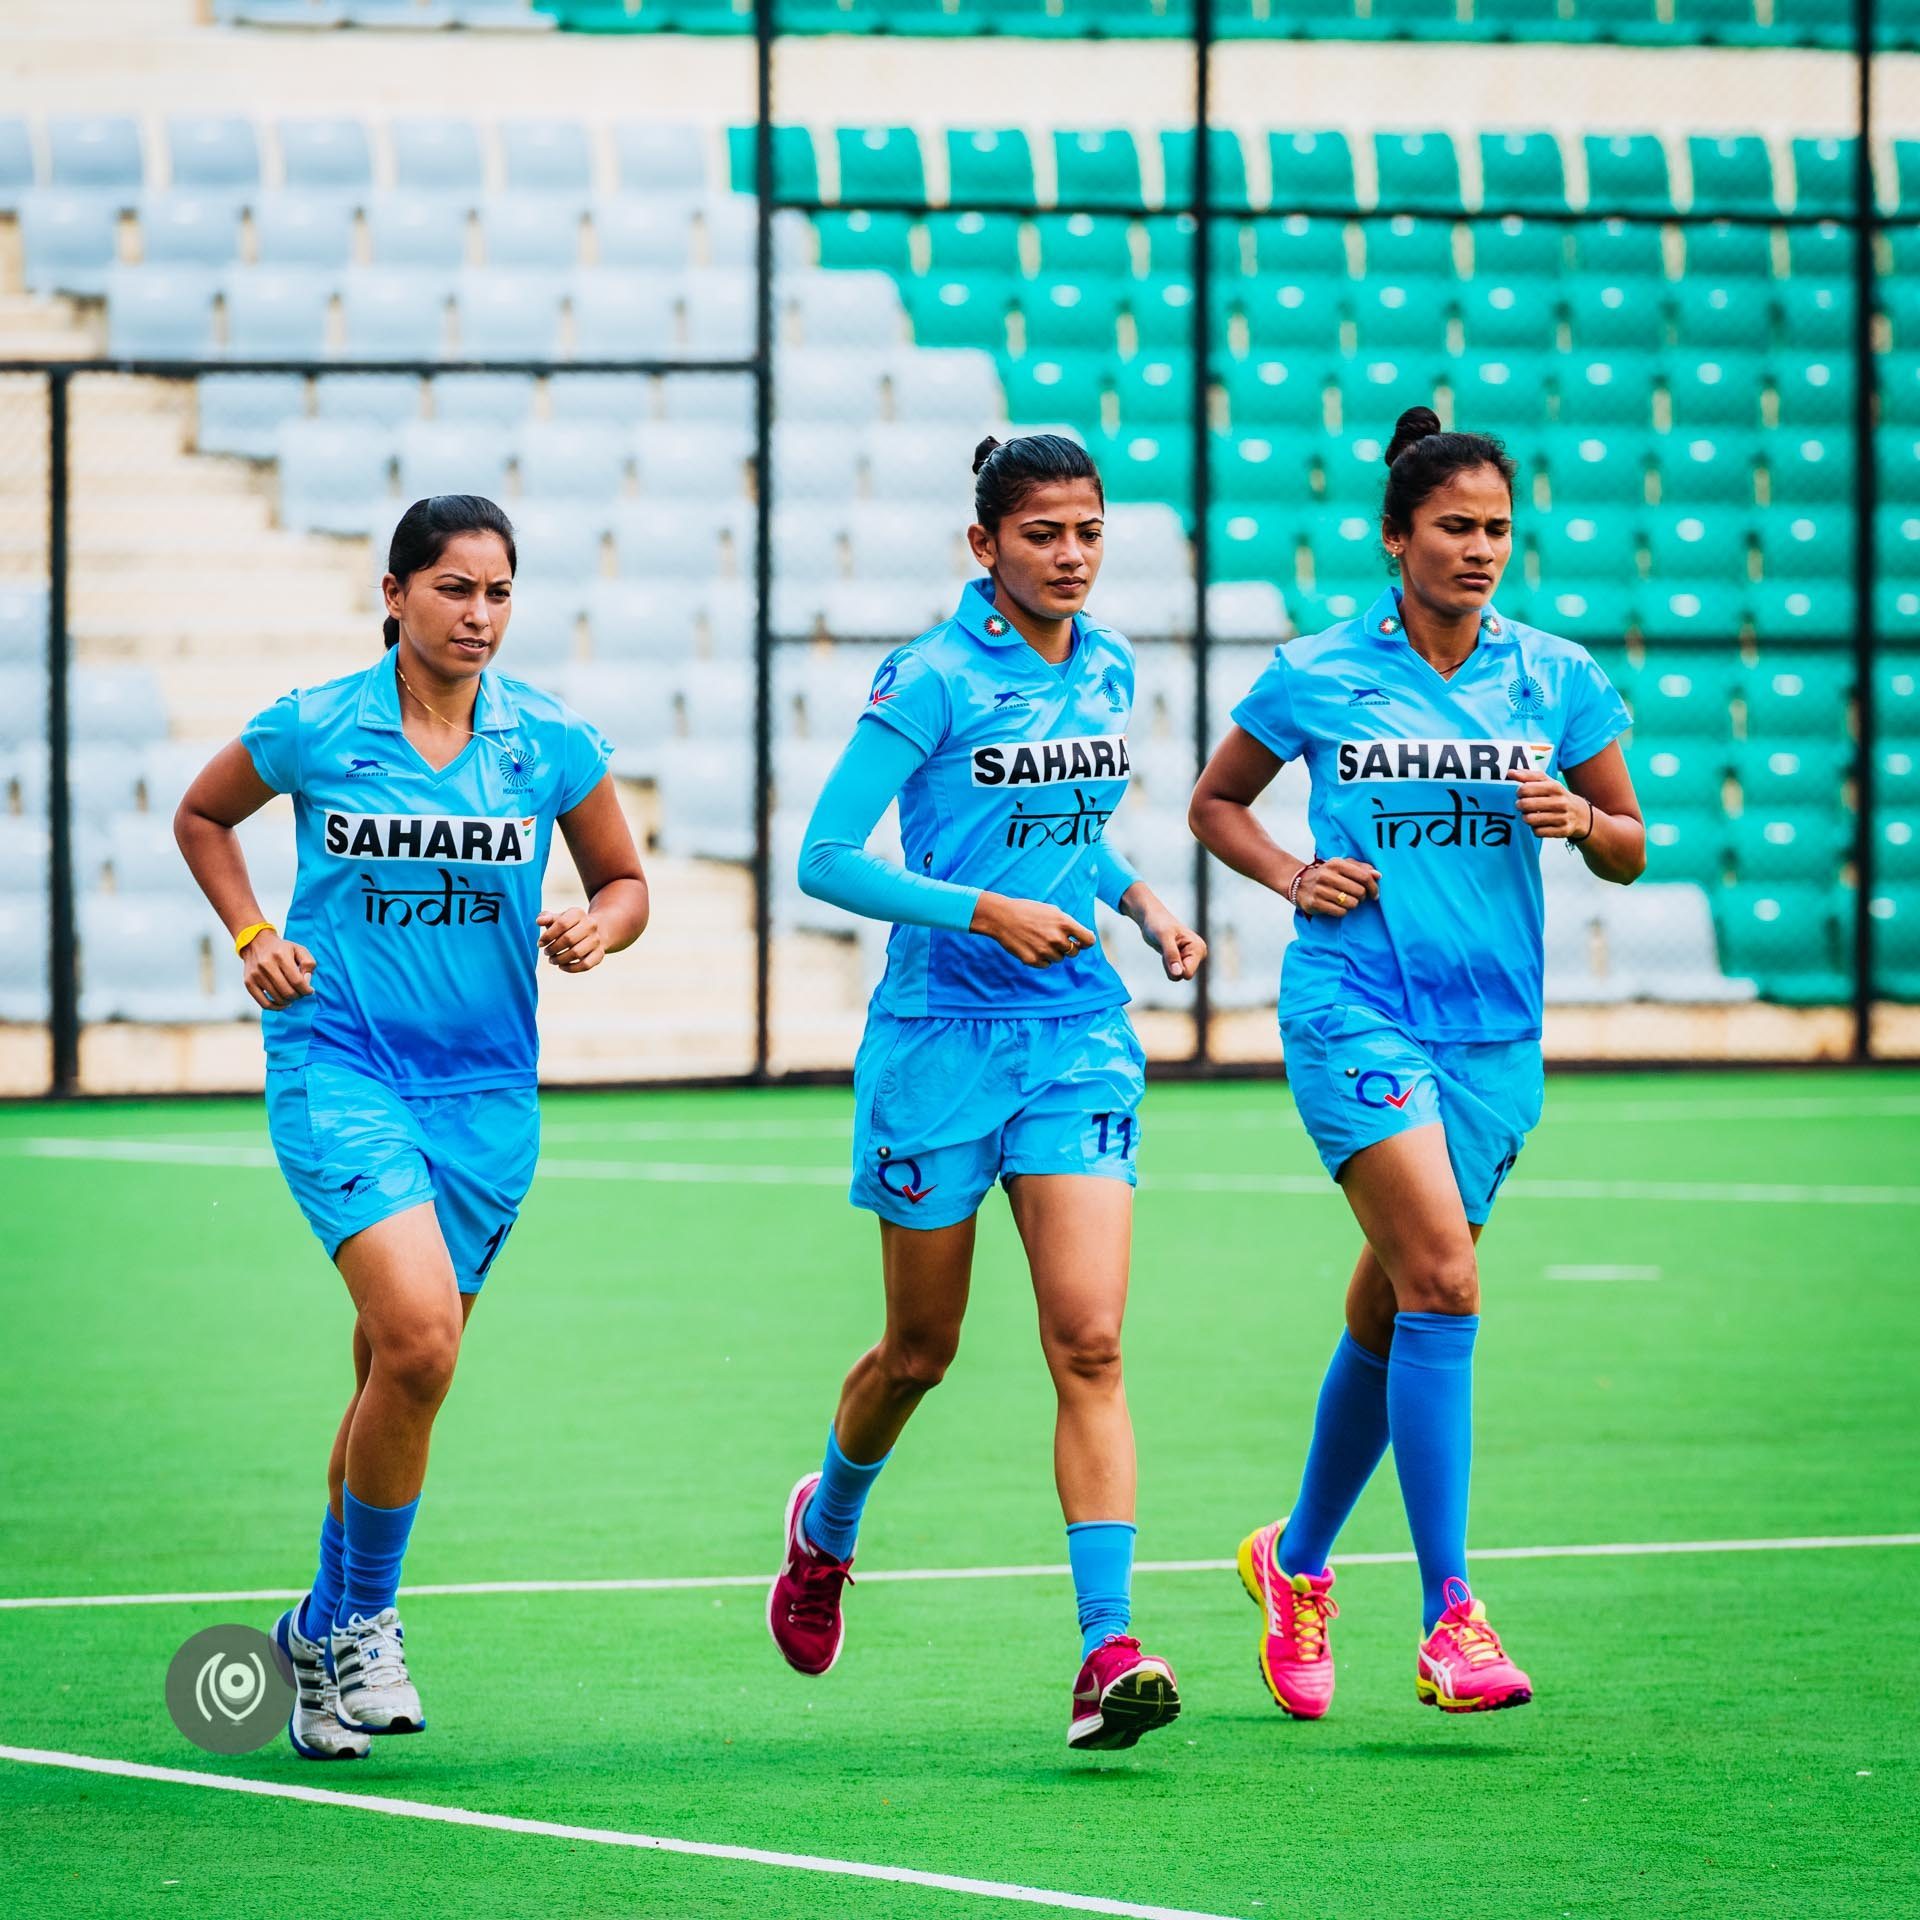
[803, 1606]
[1121, 1693]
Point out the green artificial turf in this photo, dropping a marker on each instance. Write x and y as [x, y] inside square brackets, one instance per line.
[655, 1361]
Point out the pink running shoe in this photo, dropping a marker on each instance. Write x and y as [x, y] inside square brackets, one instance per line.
[803, 1606]
[1463, 1668]
[1296, 1658]
[1120, 1694]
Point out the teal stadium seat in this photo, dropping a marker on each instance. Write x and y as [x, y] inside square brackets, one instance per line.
[1522, 173]
[1155, 390]
[1587, 467]
[1289, 315]
[1795, 611]
[1813, 390]
[1775, 774]
[1096, 167]
[1258, 470]
[1070, 315]
[1163, 314]
[1627, 173]
[1799, 696]
[1714, 390]
[1786, 939]
[1418, 172]
[1587, 544]
[1707, 469]
[1906, 176]
[1258, 544]
[1686, 692]
[1896, 943]
[989, 166]
[1778, 847]
[1732, 173]
[1615, 249]
[1605, 389]
[1513, 248]
[1169, 238]
[1058, 387]
[1808, 543]
[1896, 845]
[1816, 316]
[1095, 246]
[1679, 774]
[1517, 315]
[1814, 23]
[1525, 20]
[1698, 611]
[1896, 610]
[1226, 172]
[1697, 545]
[1146, 466]
[1404, 246]
[1393, 316]
[963, 243]
[1629, 20]
[955, 310]
[1353, 469]
[1312, 172]
[1900, 302]
[1896, 542]
[1687, 843]
[1501, 393]
[1897, 457]
[1823, 174]
[1413, 20]
[1629, 315]
[1896, 774]
[1346, 553]
[1723, 250]
[796, 168]
[1288, 391]
[1588, 610]
[1297, 246]
[1721, 317]
[1730, 22]
[1379, 388]
[883, 241]
[880, 165]
[1821, 252]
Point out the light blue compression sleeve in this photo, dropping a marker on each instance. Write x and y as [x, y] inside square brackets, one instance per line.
[1112, 876]
[835, 865]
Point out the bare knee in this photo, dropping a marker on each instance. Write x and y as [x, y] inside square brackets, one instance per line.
[1087, 1356]
[418, 1361]
[1443, 1281]
[916, 1363]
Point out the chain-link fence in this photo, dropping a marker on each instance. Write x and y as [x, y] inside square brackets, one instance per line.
[1677, 280]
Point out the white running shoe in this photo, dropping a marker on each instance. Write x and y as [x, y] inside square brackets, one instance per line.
[370, 1668]
[314, 1728]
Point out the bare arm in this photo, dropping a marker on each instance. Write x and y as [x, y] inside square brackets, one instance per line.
[1596, 809]
[1222, 818]
[618, 903]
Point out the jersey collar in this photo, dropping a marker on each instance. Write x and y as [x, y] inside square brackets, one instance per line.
[1382, 622]
[493, 710]
[975, 615]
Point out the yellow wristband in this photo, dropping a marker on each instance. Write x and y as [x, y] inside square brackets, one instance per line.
[247, 935]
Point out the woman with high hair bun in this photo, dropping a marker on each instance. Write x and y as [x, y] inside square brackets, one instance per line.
[997, 1045]
[398, 1014]
[1445, 743]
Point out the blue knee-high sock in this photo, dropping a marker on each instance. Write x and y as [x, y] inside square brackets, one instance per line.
[1101, 1555]
[1430, 1413]
[316, 1611]
[1349, 1436]
[832, 1518]
[376, 1544]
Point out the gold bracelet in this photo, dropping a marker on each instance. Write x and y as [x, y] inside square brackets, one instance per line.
[247, 935]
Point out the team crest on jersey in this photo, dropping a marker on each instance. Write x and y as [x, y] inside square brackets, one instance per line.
[1112, 686]
[1044, 763]
[516, 767]
[1525, 694]
[431, 836]
[995, 625]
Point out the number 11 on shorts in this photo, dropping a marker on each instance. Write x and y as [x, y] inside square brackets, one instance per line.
[1115, 1125]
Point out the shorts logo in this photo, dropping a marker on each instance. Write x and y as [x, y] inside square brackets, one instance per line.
[1379, 1088]
[1048, 763]
[908, 1186]
[352, 1186]
[516, 767]
[1368, 697]
[364, 769]
[1525, 694]
[431, 836]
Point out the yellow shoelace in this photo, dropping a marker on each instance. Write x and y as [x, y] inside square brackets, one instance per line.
[1311, 1612]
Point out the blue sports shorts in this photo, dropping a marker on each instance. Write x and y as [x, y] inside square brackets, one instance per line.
[943, 1108]
[354, 1153]
[1358, 1079]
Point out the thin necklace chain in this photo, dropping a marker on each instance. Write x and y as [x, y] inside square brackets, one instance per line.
[435, 711]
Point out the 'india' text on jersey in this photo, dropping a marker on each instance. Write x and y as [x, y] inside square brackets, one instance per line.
[1026, 763]
[1410, 773]
[418, 888]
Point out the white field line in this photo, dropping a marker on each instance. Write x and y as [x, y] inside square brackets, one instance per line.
[596, 1836]
[682, 1172]
[713, 1582]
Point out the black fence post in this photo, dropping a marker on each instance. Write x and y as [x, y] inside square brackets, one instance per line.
[1202, 484]
[763, 32]
[1866, 499]
[63, 959]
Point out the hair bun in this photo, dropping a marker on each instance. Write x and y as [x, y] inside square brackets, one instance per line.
[984, 452]
[1413, 426]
